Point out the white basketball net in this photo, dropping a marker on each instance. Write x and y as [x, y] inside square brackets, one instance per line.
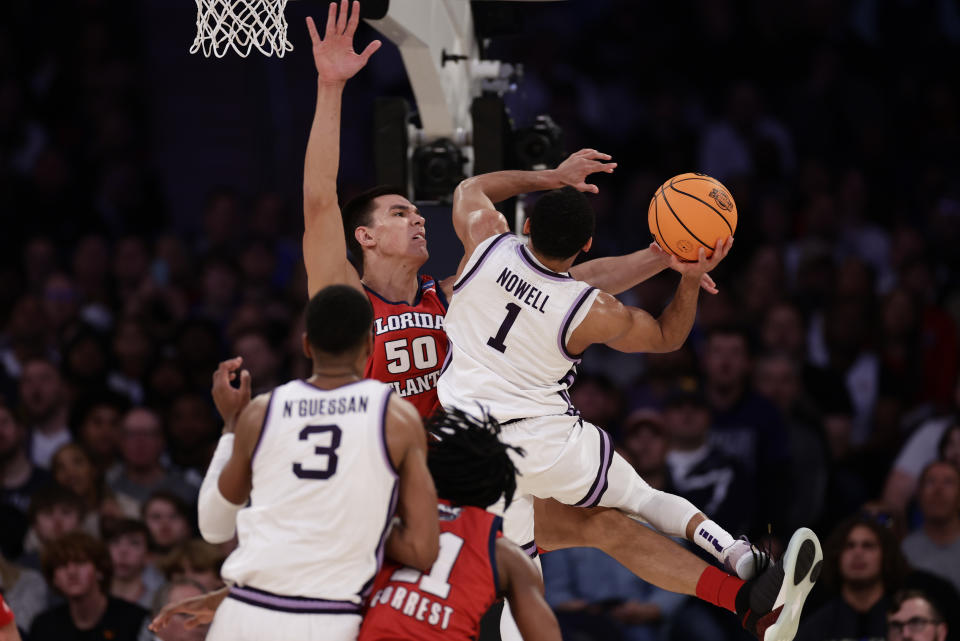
[241, 25]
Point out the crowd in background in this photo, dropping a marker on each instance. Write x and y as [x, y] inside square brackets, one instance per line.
[819, 387]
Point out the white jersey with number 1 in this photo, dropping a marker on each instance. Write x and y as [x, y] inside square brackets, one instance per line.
[508, 325]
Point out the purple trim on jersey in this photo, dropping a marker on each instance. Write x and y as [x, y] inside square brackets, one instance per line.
[530, 549]
[383, 434]
[565, 325]
[495, 528]
[322, 389]
[295, 604]
[263, 427]
[473, 270]
[446, 362]
[532, 262]
[365, 590]
[600, 483]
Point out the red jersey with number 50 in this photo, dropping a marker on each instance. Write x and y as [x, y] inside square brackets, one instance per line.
[448, 602]
[409, 344]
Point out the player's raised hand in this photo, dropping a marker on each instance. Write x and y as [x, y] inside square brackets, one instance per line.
[333, 55]
[574, 170]
[706, 282]
[704, 264]
[230, 400]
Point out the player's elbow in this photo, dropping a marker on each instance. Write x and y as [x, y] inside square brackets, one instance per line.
[425, 552]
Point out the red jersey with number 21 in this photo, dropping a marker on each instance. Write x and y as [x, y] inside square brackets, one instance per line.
[447, 603]
[409, 344]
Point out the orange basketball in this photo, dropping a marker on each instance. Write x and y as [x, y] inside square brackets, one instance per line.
[691, 211]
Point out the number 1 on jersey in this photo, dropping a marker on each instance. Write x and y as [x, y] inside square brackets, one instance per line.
[437, 582]
[496, 342]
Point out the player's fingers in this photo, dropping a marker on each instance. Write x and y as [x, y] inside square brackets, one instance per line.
[354, 19]
[312, 29]
[370, 50]
[593, 189]
[331, 20]
[342, 17]
[245, 383]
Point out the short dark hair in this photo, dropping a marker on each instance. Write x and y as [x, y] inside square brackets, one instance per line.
[52, 495]
[124, 527]
[734, 329]
[338, 319]
[469, 463]
[356, 213]
[78, 547]
[561, 223]
[896, 602]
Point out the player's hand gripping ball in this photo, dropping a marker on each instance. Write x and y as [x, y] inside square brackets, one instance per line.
[691, 211]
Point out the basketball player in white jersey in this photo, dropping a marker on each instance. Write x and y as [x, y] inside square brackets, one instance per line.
[321, 466]
[518, 324]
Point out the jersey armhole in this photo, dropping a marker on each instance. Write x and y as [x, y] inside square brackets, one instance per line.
[574, 317]
[263, 426]
[484, 250]
[383, 434]
[496, 528]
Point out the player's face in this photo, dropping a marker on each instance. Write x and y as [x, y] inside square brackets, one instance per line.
[397, 229]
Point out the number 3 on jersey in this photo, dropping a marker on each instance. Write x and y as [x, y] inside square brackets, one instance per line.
[327, 466]
[435, 583]
[422, 348]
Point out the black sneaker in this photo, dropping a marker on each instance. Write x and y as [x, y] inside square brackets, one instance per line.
[769, 605]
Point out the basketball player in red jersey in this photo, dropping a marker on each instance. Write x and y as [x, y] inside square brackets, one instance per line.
[387, 234]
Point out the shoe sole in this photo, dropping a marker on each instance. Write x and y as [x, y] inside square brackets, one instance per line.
[801, 564]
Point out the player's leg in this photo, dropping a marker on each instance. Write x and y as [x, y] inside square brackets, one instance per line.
[518, 527]
[574, 462]
[768, 606]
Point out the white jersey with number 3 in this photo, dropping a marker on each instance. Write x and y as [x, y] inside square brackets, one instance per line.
[324, 491]
[508, 325]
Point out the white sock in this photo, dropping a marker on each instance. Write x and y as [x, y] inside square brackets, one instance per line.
[713, 538]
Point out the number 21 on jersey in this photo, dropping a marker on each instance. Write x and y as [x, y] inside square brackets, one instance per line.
[435, 583]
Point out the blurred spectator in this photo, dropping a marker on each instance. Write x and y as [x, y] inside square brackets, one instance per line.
[645, 447]
[19, 476]
[745, 425]
[78, 567]
[142, 470]
[74, 470]
[134, 580]
[27, 336]
[193, 430]
[707, 476]
[54, 511]
[863, 566]
[24, 590]
[174, 592]
[133, 353]
[777, 377]
[96, 423]
[85, 360]
[912, 615]
[168, 520]
[919, 450]
[949, 447]
[260, 358]
[597, 398]
[60, 301]
[195, 560]
[44, 402]
[935, 547]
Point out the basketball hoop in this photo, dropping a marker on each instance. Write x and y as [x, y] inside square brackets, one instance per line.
[241, 25]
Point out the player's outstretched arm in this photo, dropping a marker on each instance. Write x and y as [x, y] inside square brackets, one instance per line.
[324, 250]
[616, 274]
[475, 217]
[523, 586]
[414, 539]
[629, 329]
